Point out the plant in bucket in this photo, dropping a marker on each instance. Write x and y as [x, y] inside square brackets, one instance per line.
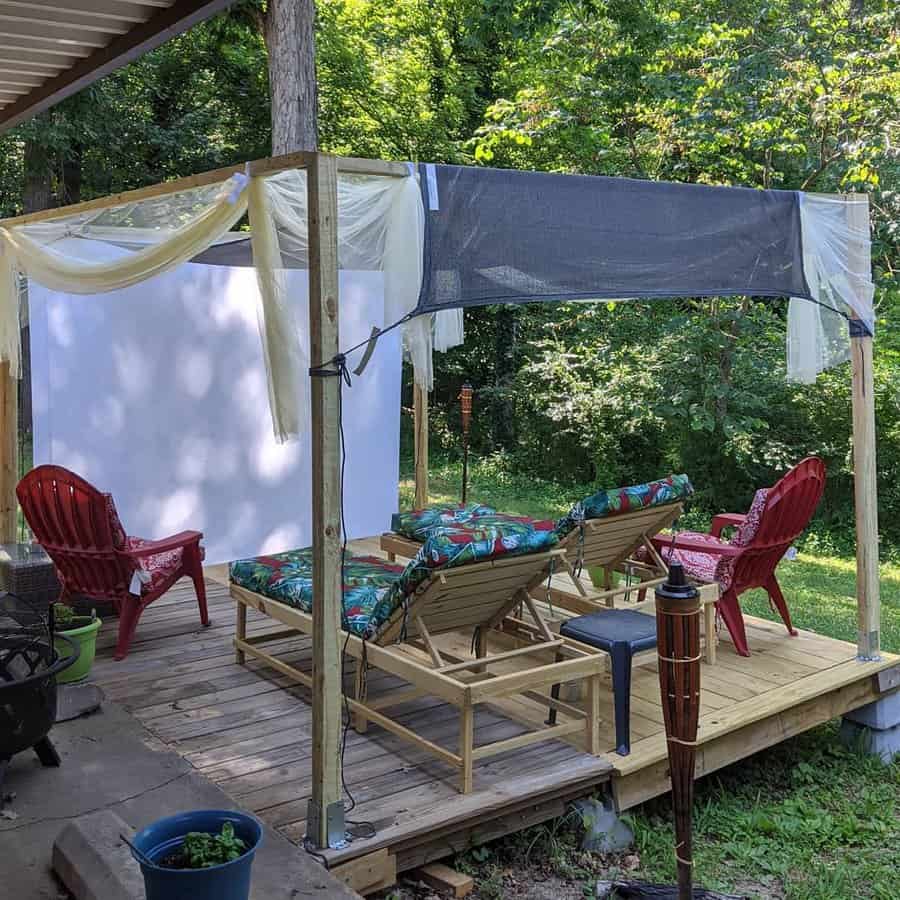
[198, 855]
[81, 631]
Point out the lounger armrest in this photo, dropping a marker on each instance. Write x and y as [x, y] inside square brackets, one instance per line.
[175, 542]
[697, 545]
[726, 520]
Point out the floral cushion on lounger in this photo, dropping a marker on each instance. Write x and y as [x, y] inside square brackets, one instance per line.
[477, 541]
[626, 499]
[288, 578]
[417, 523]
[374, 588]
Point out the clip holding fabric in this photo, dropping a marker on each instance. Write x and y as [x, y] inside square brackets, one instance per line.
[241, 180]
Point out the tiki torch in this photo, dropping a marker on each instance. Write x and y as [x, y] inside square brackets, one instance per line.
[678, 646]
[465, 402]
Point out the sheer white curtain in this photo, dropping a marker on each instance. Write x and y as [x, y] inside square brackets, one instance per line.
[380, 227]
[192, 221]
[837, 266]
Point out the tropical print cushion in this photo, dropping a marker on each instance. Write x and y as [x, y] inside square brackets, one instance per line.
[477, 541]
[288, 578]
[373, 587]
[416, 523]
[626, 499]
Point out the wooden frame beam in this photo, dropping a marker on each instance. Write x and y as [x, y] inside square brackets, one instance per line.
[865, 482]
[9, 448]
[326, 808]
[266, 166]
[420, 452]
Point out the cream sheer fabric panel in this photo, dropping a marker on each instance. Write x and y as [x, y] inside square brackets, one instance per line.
[380, 227]
[178, 225]
[837, 265]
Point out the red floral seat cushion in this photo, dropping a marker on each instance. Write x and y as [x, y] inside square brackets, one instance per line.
[711, 567]
[157, 567]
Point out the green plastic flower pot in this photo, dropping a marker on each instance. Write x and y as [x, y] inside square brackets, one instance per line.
[85, 637]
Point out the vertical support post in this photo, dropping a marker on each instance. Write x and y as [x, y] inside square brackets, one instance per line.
[325, 816]
[420, 414]
[865, 485]
[9, 453]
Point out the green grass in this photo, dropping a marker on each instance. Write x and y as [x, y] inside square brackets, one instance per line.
[808, 819]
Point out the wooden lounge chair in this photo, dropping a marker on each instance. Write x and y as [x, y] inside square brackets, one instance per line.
[479, 595]
[609, 542]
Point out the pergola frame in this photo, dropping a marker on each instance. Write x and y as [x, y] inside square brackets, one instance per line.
[325, 819]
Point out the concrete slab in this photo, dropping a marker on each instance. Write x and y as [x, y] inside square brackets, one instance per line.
[109, 761]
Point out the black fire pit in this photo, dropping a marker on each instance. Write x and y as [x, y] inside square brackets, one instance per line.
[29, 665]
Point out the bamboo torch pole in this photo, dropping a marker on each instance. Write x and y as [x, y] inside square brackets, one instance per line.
[465, 400]
[678, 646]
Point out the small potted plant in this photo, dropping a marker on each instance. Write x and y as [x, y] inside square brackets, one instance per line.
[198, 855]
[82, 630]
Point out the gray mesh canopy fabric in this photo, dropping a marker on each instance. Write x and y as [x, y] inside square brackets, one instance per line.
[504, 236]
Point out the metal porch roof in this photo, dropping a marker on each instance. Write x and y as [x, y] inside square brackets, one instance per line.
[50, 49]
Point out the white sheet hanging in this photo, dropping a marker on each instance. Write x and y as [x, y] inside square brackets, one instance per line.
[157, 393]
[837, 266]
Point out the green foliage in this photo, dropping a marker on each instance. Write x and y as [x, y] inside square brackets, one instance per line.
[202, 850]
[63, 616]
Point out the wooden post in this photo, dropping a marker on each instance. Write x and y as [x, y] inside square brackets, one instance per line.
[420, 414]
[9, 448]
[865, 484]
[325, 816]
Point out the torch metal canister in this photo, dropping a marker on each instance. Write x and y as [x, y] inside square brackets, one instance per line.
[678, 646]
[465, 402]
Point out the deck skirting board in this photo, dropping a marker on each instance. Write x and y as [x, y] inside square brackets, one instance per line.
[652, 779]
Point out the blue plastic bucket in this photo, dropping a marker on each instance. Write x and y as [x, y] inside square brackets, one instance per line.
[229, 881]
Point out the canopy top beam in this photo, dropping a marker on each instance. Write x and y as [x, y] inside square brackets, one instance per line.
[267, 166]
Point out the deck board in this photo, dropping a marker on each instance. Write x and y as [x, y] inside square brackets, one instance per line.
[249, 729]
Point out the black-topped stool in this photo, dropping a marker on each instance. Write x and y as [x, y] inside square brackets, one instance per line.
[621, 633]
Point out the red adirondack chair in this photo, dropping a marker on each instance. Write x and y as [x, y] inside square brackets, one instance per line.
[775, 520]
[79, 528]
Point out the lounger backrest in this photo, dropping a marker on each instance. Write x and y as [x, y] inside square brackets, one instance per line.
[480, 593]
[608, 542]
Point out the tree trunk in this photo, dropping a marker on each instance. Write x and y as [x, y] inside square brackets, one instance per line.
[70, 189]
[37, 194]
[290, 35]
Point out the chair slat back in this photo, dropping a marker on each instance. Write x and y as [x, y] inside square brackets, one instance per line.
[789, 506]
[610, 541]
[475, 594]
[70, 518]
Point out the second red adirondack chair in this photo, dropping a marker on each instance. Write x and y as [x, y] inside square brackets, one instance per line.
[79, 528]
[777, 517]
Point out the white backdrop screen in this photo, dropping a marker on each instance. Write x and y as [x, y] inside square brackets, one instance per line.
[157, 394]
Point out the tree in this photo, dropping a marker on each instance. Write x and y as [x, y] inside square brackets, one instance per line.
[289, 29]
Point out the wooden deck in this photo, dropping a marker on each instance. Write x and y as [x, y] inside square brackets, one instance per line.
[248, 729]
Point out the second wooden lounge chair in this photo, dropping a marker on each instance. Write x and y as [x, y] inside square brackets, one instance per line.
[393, 614]
[603, 531]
